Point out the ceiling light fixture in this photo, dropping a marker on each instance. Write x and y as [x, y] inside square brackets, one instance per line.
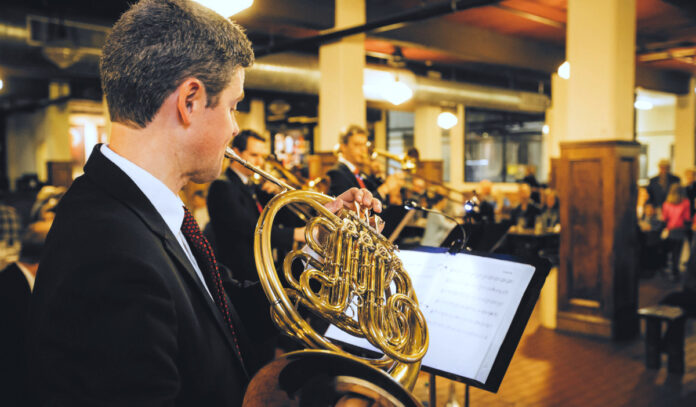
[397, 92]
[446, 120]
[386, 86]
[564, 70]
[226, 8]
[545, 129]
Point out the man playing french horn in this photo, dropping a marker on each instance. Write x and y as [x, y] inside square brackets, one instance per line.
[128, 307]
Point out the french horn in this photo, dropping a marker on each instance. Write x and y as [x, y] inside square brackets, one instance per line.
[352, 278]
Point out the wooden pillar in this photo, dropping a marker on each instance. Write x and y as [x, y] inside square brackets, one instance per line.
[597, 284]
[598, 172]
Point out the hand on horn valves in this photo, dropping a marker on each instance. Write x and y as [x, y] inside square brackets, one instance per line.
[360, 196]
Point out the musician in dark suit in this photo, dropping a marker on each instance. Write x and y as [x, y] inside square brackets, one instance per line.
[348, 172]
[129, 307]
[16, 283]
[234, 206]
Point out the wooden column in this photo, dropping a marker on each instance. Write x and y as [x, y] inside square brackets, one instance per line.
[597, 282]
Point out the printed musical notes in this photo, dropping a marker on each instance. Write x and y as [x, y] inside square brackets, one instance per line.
[469, 303]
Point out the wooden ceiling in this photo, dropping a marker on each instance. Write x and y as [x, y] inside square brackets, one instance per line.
[666, 34]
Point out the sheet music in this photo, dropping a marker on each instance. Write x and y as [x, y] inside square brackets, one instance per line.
[468, 302]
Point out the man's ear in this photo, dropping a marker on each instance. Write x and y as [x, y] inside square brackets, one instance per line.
[191, 97]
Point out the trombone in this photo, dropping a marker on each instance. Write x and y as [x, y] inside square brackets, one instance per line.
[408, 163]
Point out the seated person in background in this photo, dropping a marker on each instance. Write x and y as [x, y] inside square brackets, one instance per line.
[487, 205]
[675, 214]
[652, 250]
[46, 199]
[650, 221]
[347, 173]
[16, 284]
[550, 212]
[437, 227]
[660, 184]
[526, 212]
[530, 179]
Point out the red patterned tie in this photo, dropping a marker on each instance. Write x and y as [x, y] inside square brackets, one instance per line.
[206, 262]
[360, 181]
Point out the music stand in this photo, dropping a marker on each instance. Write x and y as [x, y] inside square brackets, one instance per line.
[481, 237]
[517, 298]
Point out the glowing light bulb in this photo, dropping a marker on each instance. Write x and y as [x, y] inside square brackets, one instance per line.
[545, 129]
[397, 93]
[446, 120]
[564, 70]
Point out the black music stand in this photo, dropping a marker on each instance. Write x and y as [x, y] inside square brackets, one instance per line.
[521, 294]
[481, 237]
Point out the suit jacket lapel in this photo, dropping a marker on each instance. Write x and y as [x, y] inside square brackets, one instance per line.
[109, 177]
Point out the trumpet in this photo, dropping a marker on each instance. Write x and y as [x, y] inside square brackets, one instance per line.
[356, 282]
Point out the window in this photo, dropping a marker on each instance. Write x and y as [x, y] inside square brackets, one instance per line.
[399, 134]
[499, 144]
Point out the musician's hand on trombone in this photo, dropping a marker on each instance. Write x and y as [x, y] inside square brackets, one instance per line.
[392, 184]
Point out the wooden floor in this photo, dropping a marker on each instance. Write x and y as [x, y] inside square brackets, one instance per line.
[555, 369]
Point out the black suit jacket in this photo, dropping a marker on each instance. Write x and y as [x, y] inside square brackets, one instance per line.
[119, 316]
[342, 179]
[657, 194]
[14, 309]
[233, 216]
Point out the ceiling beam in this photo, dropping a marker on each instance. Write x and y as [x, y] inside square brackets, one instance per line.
[481, 45]
[392, 22]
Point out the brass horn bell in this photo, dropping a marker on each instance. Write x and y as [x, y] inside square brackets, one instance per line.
[353, 279]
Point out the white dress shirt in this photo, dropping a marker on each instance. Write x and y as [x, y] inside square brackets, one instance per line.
[166, 202]
[348, 164]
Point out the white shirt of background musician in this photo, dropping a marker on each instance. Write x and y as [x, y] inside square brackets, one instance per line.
[348, 164]
[166, 203]
[244, 178]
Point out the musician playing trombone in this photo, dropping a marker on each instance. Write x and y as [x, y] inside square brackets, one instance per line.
[349, 170]
[235, 202]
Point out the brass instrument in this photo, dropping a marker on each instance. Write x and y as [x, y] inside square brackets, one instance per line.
[356, 282]
[408, 163]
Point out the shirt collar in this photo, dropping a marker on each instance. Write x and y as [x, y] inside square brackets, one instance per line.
[166, 202]
[241, 176]
[348, 164]
[27, 274]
